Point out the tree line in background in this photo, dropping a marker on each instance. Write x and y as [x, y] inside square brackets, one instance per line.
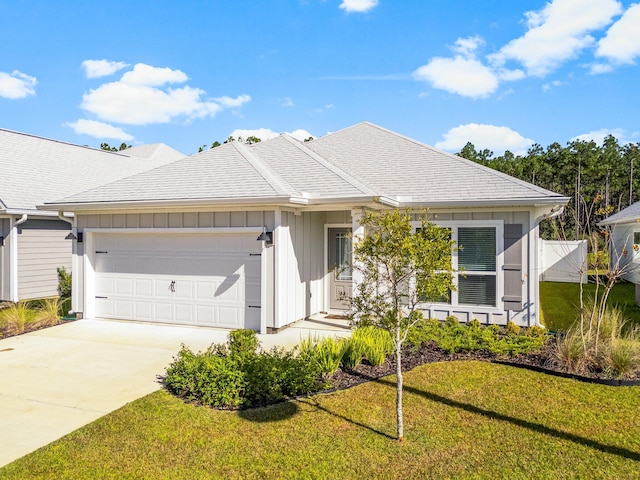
[599, 179]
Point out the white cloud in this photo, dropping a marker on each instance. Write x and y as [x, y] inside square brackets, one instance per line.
[553, 84]
[494, 138]
[98, 129]
[463, 76]
[267, 134]
[358, 6]
[556, 34]
[286, 102]
[598, 136]
[622, 42]
[16, 85]
[229, 102]
[141, 97]
[301, 134]
[101, 68]
[598, 68]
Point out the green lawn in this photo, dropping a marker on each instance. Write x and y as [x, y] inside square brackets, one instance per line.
[464, 419]
[559, 301]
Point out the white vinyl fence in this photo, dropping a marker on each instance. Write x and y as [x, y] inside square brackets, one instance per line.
[563, 261]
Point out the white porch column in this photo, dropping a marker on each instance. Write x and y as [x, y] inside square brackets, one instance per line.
[279, 271]
[357, 234]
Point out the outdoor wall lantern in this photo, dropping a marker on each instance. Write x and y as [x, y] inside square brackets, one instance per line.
[74, 235]
[266, 237]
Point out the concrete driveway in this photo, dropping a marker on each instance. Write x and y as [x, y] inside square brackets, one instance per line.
[56, 380]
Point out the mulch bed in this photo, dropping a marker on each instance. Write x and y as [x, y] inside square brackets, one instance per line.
[540, 361]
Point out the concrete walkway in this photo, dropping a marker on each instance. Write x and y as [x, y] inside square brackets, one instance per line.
[56, 380]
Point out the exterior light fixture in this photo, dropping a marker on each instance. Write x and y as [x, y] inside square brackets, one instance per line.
[266, 237]
[74, 235]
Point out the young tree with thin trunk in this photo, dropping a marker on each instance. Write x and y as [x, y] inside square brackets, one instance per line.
[398, 267]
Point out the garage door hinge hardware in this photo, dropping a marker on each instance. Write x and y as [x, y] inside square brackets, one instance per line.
[255, 306]
[172, 286]
[101, 251]
[97, 296]
[255, 254]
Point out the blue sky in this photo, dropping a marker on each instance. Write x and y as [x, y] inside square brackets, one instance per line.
[502, 74]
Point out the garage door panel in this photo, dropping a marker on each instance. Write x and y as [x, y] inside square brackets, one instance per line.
[229, 317]
[163, 311]
[144, 287]
[205, 290]
[144, 310]
[215, 278]
[184, 289]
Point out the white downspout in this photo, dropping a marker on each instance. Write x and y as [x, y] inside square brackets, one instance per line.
[74, 261]
[13, 258]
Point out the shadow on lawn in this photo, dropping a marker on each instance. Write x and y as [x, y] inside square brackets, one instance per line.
[536, 427]
[313, 403]
[271, 413]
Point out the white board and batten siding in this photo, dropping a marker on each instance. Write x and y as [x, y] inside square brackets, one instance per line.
[42, 249]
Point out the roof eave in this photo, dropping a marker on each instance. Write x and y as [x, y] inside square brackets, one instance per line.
[510, 202]
[169, 203]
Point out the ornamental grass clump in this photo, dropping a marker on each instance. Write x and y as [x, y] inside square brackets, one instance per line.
[376, 344]
[600, 342]
[326, 353]
[15, 318]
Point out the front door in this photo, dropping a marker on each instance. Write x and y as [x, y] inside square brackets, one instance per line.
[340, 271]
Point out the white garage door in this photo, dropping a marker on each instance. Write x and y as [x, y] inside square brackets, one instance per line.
[197, 279]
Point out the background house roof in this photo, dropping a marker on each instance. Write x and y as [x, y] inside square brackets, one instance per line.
[631, 214]
[361, 161]
[36, 170]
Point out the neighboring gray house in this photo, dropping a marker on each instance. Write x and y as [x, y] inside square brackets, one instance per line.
[625, 245]
[249, 235]
[34, 170]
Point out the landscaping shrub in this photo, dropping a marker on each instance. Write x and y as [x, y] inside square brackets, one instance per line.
[455, 337]
[238, 375]
[207, 378]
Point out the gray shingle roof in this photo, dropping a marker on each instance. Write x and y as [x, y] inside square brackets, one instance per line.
[394, 166]
[355, 163]
[630, 214]
[35, 169]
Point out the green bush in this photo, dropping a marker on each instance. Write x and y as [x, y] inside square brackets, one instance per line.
[64, 283]
[455, 337]
[243, 343]
[207, 378]
[238, 375]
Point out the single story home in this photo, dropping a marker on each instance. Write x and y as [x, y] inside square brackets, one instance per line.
[624, 228]
[34, 170]
[251, 235]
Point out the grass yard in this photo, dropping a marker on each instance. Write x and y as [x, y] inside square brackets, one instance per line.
[463, 419]
[559, 301]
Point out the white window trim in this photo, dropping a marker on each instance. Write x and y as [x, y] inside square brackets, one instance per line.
[454, 225]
